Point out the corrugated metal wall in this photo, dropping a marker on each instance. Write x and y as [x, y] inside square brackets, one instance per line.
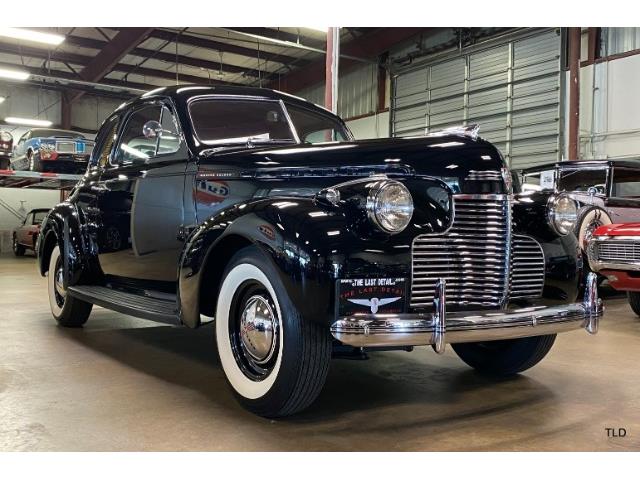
[511, 87]
[357, 92]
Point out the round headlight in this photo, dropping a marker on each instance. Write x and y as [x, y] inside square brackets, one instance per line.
[5, 136]
[563, 214]
[390, 206]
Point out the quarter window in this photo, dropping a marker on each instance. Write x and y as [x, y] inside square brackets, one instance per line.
[134, 146]
[626, 183]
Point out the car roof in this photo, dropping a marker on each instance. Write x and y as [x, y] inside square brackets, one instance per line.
[630, 163]
[36, 210]
[186, 92]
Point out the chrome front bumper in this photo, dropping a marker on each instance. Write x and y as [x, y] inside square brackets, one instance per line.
[439, 328]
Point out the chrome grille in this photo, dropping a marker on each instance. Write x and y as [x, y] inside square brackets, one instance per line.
[66, 147]
[472, 256]
[527, 268]
[618, 251]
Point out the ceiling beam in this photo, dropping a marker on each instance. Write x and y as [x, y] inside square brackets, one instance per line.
[220, 46]
[113, 51]
[370, 45]
[46, 73]
[168, 57]
[282, 35]
[83, 60]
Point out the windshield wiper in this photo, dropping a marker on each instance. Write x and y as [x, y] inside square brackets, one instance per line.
[250, 143]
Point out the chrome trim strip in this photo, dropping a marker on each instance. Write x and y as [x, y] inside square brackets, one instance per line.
[439, 328]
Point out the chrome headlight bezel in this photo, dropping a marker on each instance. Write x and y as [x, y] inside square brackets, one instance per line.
[6, 137]
[562, 213]
[376, 206]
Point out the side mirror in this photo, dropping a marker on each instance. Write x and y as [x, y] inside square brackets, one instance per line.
[152, 129]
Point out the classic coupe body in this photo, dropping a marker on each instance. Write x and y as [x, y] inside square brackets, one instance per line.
[25, 236]
[607, 191]
[614, 251]
[259, 212]
[6, 149]
[52, 150]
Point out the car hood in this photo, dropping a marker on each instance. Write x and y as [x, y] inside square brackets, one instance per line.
[618, 230]
[448, 156]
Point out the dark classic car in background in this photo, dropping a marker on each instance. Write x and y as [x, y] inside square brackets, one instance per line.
[614, 251]
[25, 236]
[607, 191]
[52, 150]
[6, 148]
[259, 209]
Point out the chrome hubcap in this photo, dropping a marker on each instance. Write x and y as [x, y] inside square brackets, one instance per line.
[58, 282]
[258, 330]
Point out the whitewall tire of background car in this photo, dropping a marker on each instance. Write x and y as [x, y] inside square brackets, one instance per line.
[275, 361]
[588, 220]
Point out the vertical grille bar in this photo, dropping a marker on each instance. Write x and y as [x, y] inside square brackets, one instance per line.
[472, 256]
[483, 265]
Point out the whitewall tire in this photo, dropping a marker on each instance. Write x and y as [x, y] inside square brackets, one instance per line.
[68, 311]
[275, 361]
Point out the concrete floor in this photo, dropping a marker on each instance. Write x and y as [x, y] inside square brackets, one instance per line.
[126, 384]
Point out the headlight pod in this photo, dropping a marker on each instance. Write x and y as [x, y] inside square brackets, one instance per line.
[389, 206]
[6, 136]
[562, 213]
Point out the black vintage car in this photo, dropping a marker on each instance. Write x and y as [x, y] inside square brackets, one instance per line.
[6, 149]
[607, 191]
[258, 211]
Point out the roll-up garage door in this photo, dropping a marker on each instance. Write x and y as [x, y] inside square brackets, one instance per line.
[511, 88]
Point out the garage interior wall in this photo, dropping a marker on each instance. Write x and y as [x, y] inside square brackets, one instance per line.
[32, 102]
[511, 86]
[609, 100]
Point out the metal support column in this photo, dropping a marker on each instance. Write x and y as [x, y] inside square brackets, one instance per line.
[331, 69]
[574, 91]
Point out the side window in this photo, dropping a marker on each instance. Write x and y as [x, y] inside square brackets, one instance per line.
[135, 146]
[170, 139]
[104, 142]
[626, 182]
[315, 128]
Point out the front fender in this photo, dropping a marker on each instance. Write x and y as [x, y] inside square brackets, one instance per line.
[63, 227]
[311, 248]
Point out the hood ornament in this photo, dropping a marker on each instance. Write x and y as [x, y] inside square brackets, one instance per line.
[470, 131]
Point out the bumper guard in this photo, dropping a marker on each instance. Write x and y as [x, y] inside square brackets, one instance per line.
[439, 328]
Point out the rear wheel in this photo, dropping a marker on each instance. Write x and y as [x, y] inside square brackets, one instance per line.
[634, 301]
[68, 311]
[18, 250]
[34, 162]
[275, 360]
[505, 357]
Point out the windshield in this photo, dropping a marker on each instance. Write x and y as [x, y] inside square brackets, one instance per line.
[38, 217]
[581, 180]
[232, 121]
[316, 128]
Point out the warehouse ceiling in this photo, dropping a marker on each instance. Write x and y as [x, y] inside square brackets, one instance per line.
[146, 58]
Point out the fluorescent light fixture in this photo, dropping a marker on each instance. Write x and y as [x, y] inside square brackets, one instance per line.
[14, 74]
[31, 35]
[29, 122]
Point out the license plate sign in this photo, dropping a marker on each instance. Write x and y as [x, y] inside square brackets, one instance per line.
[371, 295]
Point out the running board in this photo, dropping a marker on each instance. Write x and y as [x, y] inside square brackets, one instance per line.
[163, 311]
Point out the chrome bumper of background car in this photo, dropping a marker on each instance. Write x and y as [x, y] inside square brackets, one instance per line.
[439, 328]
[627, 258]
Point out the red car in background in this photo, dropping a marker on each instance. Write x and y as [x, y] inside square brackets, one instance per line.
[25, 236]
[614, 251]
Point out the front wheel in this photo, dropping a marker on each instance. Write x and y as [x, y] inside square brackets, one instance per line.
[275, 360]
[505, 357]
[634, 301]
[68, 311]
